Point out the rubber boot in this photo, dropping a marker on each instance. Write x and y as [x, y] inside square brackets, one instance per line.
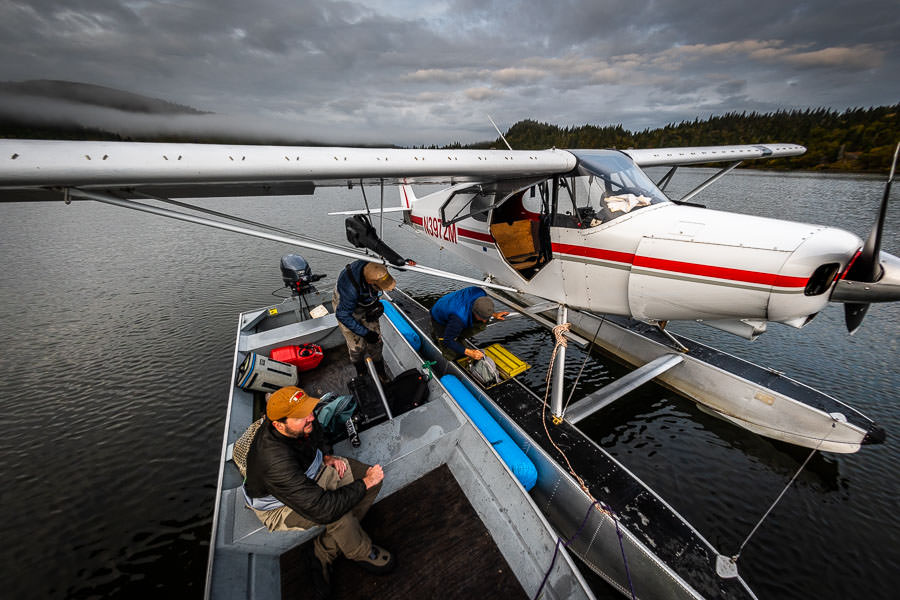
[381, 369]
[361, 368]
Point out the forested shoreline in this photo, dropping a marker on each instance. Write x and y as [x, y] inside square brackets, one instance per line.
[858, 139]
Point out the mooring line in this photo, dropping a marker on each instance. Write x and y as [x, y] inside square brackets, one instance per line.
[735, 557]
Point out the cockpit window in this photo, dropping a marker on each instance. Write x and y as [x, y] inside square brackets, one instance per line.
[604, 186]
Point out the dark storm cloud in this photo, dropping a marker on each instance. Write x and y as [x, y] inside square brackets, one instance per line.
[396, 70]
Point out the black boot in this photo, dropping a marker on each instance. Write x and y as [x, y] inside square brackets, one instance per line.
[381, 369]
[361, 368]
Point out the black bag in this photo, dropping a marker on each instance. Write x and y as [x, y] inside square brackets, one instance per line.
[371, 408]
[406, 391]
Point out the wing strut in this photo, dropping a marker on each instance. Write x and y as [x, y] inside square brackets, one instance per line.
[163, 212]
[724, 171]
[237, 219]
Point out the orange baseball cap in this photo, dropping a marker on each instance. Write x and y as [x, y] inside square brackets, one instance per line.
[290, 401]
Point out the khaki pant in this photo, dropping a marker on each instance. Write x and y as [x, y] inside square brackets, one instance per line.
[344, 536]
[357, 345]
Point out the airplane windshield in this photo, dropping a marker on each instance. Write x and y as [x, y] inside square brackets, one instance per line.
[604, 186]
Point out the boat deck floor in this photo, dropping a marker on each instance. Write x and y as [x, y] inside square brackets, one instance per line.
[441, 549]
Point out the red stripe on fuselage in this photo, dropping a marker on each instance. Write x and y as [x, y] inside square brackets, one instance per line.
[475, 235]
[686, 268]
[599, 253]
[469, 233]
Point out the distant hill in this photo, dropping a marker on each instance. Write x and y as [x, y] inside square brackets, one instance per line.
[858, 139]
[94, 95]
[48, 109]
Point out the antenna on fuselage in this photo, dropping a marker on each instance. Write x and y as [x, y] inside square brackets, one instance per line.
[498, 132]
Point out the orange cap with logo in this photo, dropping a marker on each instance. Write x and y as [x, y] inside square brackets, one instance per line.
[291, 402]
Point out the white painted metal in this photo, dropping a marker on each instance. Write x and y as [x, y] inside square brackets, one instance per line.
[90, 164]
[657, 157]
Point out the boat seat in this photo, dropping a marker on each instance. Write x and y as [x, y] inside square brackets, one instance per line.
[244, 531]
[518, 242]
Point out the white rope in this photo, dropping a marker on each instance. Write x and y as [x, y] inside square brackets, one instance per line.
[783, 491]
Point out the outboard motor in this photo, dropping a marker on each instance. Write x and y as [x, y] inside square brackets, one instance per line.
[297, 275]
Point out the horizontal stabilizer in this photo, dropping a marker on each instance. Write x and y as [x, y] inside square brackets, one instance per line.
[374, 211]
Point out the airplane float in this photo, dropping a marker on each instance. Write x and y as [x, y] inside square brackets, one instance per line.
[584, 230]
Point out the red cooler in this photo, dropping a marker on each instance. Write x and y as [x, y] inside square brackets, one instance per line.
[304, 357]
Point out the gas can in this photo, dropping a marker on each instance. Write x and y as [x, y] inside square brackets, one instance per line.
[304, 356]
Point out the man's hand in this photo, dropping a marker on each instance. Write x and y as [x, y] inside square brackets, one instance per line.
[474, 354]
[373, 477]
[339, 465]
[371, 337]
[500, 316]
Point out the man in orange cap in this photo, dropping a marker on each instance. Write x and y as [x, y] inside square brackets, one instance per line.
[292, 484]
[357, 308]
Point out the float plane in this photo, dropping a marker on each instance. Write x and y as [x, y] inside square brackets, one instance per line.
[581, 230]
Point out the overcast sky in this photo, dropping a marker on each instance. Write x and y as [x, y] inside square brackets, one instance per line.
[423, 72]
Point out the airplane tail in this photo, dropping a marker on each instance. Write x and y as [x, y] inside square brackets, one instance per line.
[407, 196]
[407, 199]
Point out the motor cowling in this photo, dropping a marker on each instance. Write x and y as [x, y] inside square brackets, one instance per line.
[297, 275]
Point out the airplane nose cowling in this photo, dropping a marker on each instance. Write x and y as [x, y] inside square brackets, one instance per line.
[817, 261]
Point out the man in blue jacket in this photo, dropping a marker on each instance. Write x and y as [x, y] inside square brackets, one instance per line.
[460, 315]
[357, 308]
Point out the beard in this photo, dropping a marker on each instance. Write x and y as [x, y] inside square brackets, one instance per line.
[295, 432]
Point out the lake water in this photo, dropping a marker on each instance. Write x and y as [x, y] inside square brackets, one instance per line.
[118, 332]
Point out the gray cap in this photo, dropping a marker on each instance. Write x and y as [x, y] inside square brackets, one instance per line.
[483, 308]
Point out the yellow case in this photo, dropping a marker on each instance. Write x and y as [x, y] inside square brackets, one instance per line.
[508, 363]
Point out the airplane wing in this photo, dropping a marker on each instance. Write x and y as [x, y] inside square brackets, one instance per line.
[670, 157]
[179, 170]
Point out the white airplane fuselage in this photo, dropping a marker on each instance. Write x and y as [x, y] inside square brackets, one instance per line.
[665, 262]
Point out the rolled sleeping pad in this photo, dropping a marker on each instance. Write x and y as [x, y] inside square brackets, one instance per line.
[402, 325]
[512, 455]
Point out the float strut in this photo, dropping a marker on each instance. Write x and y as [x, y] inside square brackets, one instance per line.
[559, 366]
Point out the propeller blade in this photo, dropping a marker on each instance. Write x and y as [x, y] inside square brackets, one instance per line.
[854, 315]
[867, 267]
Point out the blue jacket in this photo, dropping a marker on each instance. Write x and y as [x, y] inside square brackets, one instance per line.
[454, 311]
[352, 295]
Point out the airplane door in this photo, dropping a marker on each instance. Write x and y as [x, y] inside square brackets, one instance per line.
[520, 227]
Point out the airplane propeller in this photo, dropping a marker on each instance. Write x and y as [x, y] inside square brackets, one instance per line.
[867, 268]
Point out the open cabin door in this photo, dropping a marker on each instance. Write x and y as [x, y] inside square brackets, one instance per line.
[520, 226]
